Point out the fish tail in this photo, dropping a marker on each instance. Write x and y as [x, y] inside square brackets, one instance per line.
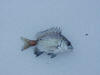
[27, 43]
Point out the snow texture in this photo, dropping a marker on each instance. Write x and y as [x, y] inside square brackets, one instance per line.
[80, 23]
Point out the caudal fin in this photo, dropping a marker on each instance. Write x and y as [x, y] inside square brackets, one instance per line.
[27, 43]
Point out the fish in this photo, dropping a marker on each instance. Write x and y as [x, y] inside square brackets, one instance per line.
[50, 41]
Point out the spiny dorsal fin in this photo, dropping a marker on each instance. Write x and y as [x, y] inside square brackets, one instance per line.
[48, 31]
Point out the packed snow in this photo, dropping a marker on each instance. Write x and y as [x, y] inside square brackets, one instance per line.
[80, 23]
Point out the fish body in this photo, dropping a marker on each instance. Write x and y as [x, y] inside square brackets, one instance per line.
[51, 42]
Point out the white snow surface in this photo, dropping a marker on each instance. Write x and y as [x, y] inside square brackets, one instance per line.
[27, 17]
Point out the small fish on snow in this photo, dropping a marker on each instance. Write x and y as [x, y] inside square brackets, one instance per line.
[50, 41]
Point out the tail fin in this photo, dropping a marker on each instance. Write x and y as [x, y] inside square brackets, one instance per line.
[27, 43]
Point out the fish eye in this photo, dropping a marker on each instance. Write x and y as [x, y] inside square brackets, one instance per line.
[68, 43]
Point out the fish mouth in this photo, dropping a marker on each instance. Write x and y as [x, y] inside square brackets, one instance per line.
[70, 47]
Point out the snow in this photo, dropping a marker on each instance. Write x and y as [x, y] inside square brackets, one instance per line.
[27, 17]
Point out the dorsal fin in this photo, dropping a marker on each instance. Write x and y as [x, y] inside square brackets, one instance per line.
[48, 31]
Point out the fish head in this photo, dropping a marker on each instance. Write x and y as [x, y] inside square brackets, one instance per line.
[64, 47]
